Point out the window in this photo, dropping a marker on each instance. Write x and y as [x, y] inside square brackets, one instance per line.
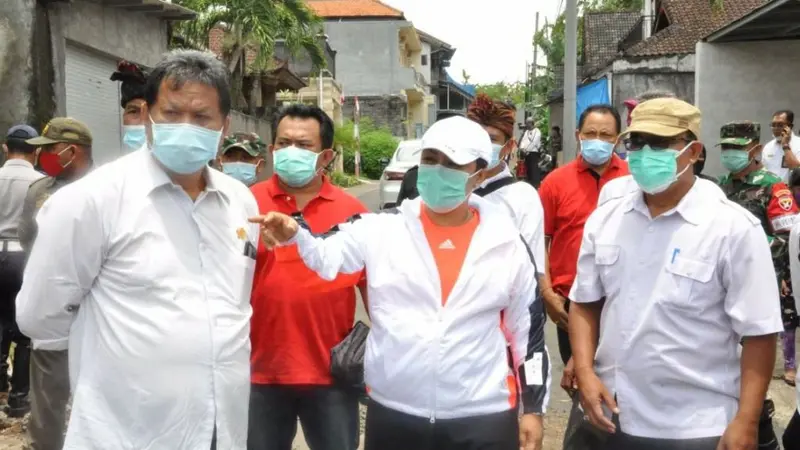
[424, 60]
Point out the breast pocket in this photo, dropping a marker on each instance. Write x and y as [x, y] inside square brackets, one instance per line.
[686, 279]
[607, 261]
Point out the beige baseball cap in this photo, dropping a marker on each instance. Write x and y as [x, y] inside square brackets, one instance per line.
[666, 117]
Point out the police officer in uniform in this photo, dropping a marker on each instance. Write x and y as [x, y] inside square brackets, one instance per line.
[768, 198]
[15, 177]
[65, 154]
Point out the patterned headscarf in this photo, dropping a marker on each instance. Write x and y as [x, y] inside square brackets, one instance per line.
[490, 113]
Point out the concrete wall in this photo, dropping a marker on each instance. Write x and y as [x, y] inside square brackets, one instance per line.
[388, 111]
[19, 63]
[368, 59]
[744, 81]
[425, 70]
[114, 32]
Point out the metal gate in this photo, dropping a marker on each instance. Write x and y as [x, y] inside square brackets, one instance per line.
[94, 99]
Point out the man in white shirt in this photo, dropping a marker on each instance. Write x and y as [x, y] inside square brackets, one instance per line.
[671, 278]
[531, 144]
[144, 269]
[782, 154]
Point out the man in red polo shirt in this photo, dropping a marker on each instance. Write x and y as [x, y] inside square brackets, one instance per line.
[569, 195]
[292, 330]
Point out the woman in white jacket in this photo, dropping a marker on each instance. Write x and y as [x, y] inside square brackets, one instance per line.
[791, 437]
[450, 281]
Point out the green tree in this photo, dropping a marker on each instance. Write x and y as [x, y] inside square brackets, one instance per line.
[252, 25]
[504, 92]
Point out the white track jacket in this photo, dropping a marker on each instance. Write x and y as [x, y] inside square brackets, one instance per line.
[435, 361]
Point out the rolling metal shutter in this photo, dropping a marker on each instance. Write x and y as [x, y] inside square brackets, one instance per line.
[94, 99]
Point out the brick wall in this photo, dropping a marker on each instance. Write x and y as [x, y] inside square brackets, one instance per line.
[215, 38]
[388, 111]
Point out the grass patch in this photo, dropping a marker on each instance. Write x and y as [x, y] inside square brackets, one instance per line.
[344, 180]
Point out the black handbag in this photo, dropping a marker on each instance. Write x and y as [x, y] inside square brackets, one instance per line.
[347, 359]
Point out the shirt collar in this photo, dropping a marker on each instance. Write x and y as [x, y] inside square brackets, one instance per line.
[505, 173]
[18, 163]
[327, 191]
[154, 176]
[691, 207]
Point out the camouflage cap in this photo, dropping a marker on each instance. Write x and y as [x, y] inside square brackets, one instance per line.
[249, 142]
[739, 133]
[63, 129]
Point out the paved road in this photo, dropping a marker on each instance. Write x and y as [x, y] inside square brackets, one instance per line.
[556, 419]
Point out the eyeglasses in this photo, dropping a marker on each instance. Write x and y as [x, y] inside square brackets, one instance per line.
[637, 142]
[780, 125]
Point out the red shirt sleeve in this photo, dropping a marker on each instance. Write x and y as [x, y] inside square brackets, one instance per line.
[782, 208]
[547, 196]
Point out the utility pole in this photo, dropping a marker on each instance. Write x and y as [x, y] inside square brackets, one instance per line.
[570, 77]
[531, 73]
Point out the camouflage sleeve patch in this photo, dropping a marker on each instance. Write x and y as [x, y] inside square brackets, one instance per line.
[782, 208]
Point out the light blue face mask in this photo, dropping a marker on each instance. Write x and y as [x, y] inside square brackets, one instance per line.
[596, 152]
[295, 166]
[134, 137]
[655, 170]
[496, 150]
[442, 189]
[242, 171]
[184, 148]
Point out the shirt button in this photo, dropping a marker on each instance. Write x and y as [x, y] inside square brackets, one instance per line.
[650, 229]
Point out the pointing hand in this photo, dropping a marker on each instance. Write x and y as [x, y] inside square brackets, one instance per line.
[276, 228]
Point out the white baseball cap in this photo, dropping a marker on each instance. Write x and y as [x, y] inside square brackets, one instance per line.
[460, 139]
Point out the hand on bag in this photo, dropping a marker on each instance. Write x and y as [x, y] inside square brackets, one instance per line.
[276, 228]
[569, 382]
[593, 396]
[741, 434]
[555, 305]
[531, 432]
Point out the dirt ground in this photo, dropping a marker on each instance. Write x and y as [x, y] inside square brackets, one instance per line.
[12, 430]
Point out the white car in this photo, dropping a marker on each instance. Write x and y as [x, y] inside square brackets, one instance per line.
[405, 157]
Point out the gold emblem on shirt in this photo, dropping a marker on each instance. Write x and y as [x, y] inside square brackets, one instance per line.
[241, 234]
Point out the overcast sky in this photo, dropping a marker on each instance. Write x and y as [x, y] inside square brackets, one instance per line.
[493, 39]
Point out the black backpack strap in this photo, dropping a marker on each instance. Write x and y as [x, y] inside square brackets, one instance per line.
[494, 186]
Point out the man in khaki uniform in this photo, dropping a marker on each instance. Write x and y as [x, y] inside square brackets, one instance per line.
[65, 154]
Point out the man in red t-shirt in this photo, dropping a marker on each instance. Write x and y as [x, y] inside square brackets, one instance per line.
[293, 330]
[569, 195]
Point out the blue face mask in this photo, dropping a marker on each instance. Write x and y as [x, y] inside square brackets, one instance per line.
[596, 152]
[295, 166]
[184, 148]
[134, 137]
[496, 149]
[655, 170]
[442, 189]
[242, 171]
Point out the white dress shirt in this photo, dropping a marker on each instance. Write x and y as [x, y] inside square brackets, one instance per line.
[680, 291]
[16, 176]
[794, 267]
[152, 292]
[523, 203]
[772, 156]
[531, 141]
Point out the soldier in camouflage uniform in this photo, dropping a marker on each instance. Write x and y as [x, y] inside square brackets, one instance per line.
[768, 198]
[71, 141]
[242, 157]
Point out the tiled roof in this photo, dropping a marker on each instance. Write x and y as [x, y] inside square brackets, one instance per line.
[690, 22]
[332, 9]
[602, 33]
